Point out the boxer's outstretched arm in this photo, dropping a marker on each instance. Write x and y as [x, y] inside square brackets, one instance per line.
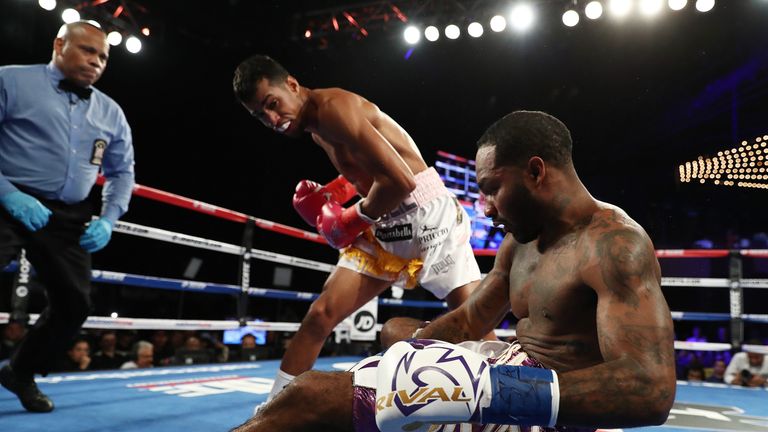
[485, 308]
[342, 119]
[636, 384]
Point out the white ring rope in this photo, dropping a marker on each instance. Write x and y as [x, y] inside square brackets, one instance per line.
[99, 322]
[214, 245]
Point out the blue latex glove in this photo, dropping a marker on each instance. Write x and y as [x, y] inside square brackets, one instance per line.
[97, 235]
[26, 209]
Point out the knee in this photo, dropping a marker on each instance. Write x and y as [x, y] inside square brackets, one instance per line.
[312, 389]
[321, 318]
[397, 329]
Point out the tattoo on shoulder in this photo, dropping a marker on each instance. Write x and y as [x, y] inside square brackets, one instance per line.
[624, 261]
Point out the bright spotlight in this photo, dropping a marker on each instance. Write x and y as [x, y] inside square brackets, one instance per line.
[452, 31]
[412, 35]
[432, 33]
[113, 315]
[70, 15]
[593, 10]
[48, 5]
[705, 5]
[521, 17]
[570, 18]
[620, 8]
[677, 4]
[475, 29]
[133, 44]
[114, 38]
[650, 7]
[498, 23]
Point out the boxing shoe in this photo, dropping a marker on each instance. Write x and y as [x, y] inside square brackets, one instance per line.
[31, 398]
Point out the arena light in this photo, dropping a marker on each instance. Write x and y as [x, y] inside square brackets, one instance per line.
[412, 35]
[742, 166]
[498, 23]
[570, 18]
[650, 7]
[113, 315]
[705, 5]
[431, 33]
[593, 10]
[620, 8]
[48, 5]
[475, 29]
[521, 18]
[70, 15]
[114, 38]
[677, 5]
[452, 31]
[133, 44]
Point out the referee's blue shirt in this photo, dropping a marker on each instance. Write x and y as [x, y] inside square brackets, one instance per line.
[53, 144]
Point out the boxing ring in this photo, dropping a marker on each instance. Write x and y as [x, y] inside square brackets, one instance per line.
[220, 396]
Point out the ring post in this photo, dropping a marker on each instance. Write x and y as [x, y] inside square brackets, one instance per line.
[736, 299]
[244, 278]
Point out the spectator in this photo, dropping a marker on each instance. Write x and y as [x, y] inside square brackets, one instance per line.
[13, 332]
[213, 345]
[108, 357]
[192, 353]
[77, 358]
[163, 351]
[684, 359]
[718, 372]
[179, 338]
[125, 341]
[249, 351]
[695, 372]
[248, 341]
[142, 356]
[747, 369]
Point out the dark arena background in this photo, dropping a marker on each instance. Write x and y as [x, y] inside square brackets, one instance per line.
[666, 102]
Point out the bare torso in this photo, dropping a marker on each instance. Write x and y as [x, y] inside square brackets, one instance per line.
[556, 309]
[345, 155]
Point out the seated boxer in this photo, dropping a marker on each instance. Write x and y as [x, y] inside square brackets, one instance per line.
[594, 339]
[407, 229]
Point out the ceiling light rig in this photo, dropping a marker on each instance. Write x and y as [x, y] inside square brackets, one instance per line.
[744, 166]
[118, 18]
[444, 20]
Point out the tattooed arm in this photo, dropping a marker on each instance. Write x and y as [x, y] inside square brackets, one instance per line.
[635, 385]
[473, 319]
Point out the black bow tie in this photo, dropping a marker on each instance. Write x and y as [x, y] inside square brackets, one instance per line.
[69, 86]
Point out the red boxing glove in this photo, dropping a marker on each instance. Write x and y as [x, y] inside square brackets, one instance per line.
[341, 226]
[310, 196]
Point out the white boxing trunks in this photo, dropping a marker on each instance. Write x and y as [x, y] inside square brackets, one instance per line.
[425, 241]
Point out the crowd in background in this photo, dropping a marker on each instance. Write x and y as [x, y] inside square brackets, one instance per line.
[128, 349]
[95, 349]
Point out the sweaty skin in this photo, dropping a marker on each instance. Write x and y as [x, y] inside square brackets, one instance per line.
[364, 144]
[587, 293]
[590, 307]
[371, 151]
